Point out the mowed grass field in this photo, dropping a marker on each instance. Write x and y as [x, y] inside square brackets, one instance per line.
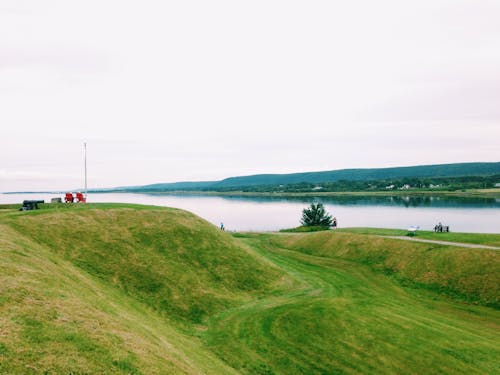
[147, 290]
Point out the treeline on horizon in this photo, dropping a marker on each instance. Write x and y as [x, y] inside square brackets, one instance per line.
[440, 177]
[393, 184]
[407, 183]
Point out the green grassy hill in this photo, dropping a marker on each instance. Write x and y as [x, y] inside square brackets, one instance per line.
[469, 274]
[169, 259]
[116, 289]
[345, 316]
[146, 290]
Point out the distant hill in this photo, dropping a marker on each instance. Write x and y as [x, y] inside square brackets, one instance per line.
[187, 185]
[363, 174]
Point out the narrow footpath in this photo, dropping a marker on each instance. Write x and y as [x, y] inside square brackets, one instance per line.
[477, 246]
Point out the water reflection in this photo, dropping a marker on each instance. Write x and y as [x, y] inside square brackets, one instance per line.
[244, 213]
[351, 200]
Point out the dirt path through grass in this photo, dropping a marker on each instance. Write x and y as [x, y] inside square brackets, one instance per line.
[447, 243]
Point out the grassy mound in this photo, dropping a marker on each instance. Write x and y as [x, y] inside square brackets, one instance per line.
[131, 289]
[117, 289]
[169, 259]
[305, 229]
[344, 317]
[488, 239]
[469, 274]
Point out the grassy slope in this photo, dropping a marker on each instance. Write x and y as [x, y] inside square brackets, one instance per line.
[169, 259]
[56, 318]
[488, 239]
[342, 317]
[135, 289]
[469, 274]
[77, 298]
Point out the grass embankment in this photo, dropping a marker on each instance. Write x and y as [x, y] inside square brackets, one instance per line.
[167, 258]
[134, 289]
[488, 239]
[469, 274]
[305, 229]
[117, 290]
[345, 316]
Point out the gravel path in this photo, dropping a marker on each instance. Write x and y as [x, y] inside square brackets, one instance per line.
[477, 246]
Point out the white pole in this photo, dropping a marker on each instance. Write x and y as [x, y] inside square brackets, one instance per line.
[85, 151]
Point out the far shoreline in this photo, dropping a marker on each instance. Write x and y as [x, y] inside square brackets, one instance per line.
[475, 193]
[466, 193]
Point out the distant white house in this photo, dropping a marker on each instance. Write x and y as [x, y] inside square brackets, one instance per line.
[405, 187]
[497, 185]
[434, 186]
[390, 187]
[316, 188]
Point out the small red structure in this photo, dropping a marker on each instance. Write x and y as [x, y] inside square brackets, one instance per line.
[68, 198]
[80, 197]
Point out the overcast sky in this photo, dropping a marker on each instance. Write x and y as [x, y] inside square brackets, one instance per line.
[166, 91]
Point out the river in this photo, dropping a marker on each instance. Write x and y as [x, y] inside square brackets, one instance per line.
[475, 215]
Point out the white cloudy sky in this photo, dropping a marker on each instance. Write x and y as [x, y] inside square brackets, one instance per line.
[199, 90]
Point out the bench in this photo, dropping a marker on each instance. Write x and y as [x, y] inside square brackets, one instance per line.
[441, 228]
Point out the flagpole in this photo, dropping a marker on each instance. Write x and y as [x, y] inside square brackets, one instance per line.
[85, 152]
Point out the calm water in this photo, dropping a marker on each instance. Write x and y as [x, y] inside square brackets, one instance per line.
[269, 214]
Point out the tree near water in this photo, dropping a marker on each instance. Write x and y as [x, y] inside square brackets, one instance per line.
[316, 215]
